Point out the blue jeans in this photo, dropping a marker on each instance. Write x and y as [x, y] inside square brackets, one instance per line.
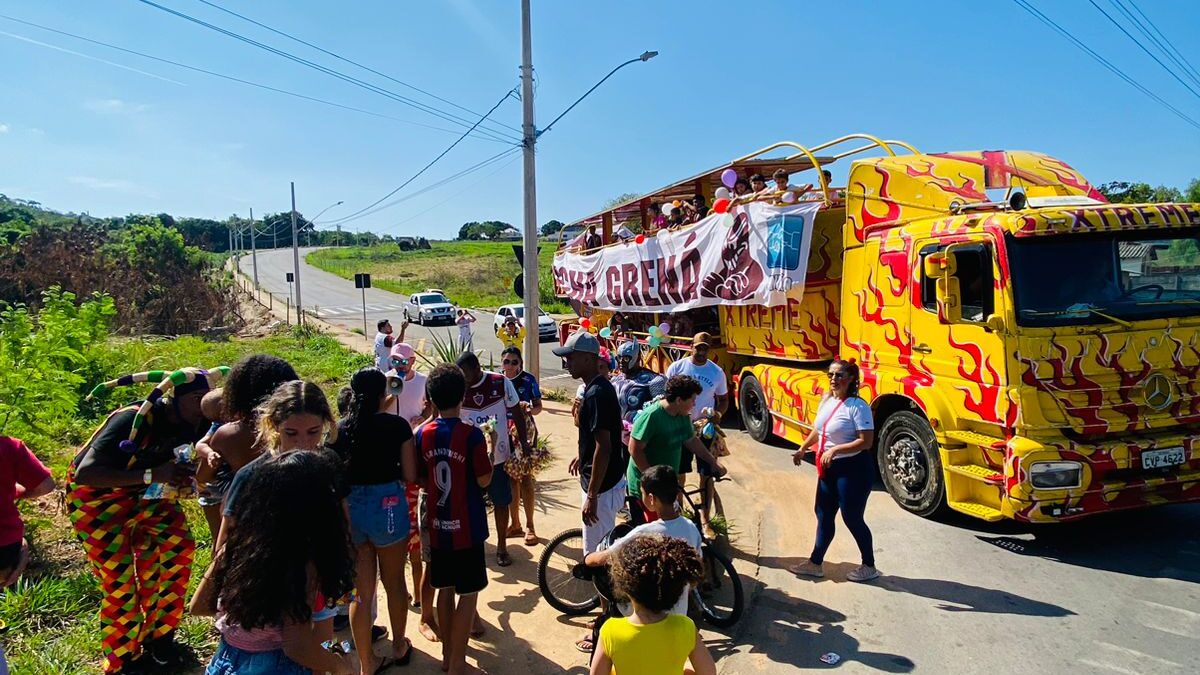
[230, 660]
[845, 485]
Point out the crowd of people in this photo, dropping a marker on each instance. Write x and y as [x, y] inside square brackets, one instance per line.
[311, 507]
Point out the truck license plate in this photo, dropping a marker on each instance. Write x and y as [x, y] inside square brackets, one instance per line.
[1159, 459]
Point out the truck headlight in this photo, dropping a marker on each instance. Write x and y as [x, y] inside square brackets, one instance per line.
[1056, 474]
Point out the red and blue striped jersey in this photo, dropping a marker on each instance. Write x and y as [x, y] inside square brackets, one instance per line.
[453, 456]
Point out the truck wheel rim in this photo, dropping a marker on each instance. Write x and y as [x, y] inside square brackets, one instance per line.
[754, 407]
[906, 462]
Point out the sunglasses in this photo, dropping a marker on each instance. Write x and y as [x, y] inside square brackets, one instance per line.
[838, 375]
[400, 362]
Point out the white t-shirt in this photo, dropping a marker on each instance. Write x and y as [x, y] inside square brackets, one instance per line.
[853, 416]
[492, 396]
[711, 378]
[383, 352]
[464, 327]
[679, 528]
[411, 400]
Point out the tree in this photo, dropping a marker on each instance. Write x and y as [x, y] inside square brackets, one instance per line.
[552, 227]
[620, 199]
[1124, 192]
[1192, 194]
[488, 229]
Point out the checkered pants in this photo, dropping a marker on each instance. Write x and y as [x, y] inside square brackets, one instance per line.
[141, 550]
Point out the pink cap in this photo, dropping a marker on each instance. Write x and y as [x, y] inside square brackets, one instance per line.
[402, 350]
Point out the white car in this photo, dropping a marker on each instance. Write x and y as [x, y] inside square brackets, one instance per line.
[547, 327]
[425, 308]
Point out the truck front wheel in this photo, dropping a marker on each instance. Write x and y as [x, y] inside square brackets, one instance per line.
[909, 464]
[753, 404]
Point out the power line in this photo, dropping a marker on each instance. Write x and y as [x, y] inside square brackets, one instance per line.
[363, 211]
[224, 77]
[1143, 48]
[512, 156]
[351, 62]
[329, 71]
[1141, 28]
[1103, 61]
[442, 182]
[1190, 69]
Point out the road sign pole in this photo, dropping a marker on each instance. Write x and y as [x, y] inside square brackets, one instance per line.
[254, 248]
[364, 298]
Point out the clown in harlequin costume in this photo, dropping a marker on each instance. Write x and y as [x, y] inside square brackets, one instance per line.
[140, 549]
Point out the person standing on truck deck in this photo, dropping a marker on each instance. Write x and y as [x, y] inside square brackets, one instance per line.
[842, 433]
[741, 188]
[714, 395]
[758, 184]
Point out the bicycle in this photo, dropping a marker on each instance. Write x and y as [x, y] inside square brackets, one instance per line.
[575, 589]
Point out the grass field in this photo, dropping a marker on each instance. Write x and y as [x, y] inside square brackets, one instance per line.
[473, 273]
[51, 613]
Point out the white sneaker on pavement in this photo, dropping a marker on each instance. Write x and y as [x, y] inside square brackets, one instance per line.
[808, 569]
[863, 573]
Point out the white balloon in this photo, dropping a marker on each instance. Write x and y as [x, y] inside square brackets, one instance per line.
[723, 193]
[789, 197]
[667, 209]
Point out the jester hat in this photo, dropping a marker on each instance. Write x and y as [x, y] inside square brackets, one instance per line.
[182, 381]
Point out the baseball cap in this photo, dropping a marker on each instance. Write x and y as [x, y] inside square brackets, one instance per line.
[402, 350]
[580, 341]
[702, 339]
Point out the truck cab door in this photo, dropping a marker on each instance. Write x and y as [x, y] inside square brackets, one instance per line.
[958, 322]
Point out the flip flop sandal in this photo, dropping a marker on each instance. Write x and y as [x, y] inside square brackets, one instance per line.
[404, 660]
[503, 559]
[585, 645]
[531, 538]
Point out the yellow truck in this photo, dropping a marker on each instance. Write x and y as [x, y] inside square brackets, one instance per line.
[1029, 350]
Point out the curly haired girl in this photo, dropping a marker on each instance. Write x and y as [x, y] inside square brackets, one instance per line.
[652, 571]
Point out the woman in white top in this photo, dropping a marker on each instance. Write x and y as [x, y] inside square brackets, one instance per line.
[842, 433]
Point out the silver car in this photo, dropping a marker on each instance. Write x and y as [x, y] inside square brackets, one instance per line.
[426, 308]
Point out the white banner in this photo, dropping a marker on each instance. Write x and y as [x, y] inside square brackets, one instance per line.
[752, 255]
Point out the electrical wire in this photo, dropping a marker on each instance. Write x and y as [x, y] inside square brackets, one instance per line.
[1143, 48]
[1103, 61]
[449, 117]
[425, 168]
[350, 61]
[417, 215]
[221, 75]
[1169, 48]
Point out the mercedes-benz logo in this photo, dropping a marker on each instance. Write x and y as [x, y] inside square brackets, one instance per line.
[1156, 391]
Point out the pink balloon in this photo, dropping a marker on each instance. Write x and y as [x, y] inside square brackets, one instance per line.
[729, 178]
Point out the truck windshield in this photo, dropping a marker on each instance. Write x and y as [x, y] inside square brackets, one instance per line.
[1094, 278]
[432, 299]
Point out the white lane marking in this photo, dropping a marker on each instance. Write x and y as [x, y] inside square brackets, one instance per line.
[1108, 666]
[1135, 654]
[1171, 619]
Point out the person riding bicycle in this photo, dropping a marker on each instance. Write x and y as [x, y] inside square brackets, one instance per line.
[660, 491]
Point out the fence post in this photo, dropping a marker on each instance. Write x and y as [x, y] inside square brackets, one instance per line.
[288, 315]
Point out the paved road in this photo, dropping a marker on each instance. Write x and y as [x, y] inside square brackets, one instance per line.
[1117, 594]
[337, 301]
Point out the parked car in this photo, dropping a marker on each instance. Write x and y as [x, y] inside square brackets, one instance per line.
[424, 308]
[547, 327]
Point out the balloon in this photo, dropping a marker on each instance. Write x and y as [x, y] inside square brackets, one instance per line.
[667, 209]
[653, 330]
[721, 205]
[729, 178]
[788, 197]
[677, 203]
[606, 332]
[654, 342]
[586, 323]
[664, 328]
[723, 193]
[727, 219]
[640, 239]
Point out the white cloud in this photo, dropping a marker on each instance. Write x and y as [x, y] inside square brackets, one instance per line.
[3, 128]
[114, 106]
[112, 185]
[37, 131]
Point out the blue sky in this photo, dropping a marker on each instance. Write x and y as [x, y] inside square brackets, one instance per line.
[82, 135]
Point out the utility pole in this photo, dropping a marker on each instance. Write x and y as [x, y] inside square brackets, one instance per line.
[296, 260]
[531, 352]
[254, 248]
[230, 229]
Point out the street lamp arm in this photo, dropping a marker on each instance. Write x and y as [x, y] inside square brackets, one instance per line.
[646, 56]
[313, 220]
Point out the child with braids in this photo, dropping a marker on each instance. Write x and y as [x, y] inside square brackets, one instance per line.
[652, 571]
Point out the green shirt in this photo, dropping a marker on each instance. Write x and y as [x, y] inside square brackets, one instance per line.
[664, 435]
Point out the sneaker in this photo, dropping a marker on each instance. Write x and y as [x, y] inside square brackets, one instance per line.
[863, 573]
[378, 633]
[164, 652]
[807, 569]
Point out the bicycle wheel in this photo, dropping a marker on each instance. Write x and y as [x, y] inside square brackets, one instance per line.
[719, 595]
[562, 589]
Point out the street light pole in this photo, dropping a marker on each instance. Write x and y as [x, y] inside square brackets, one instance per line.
[296, 260]
[531, 354]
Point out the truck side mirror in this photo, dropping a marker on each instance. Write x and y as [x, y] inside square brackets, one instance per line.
[942, 267]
